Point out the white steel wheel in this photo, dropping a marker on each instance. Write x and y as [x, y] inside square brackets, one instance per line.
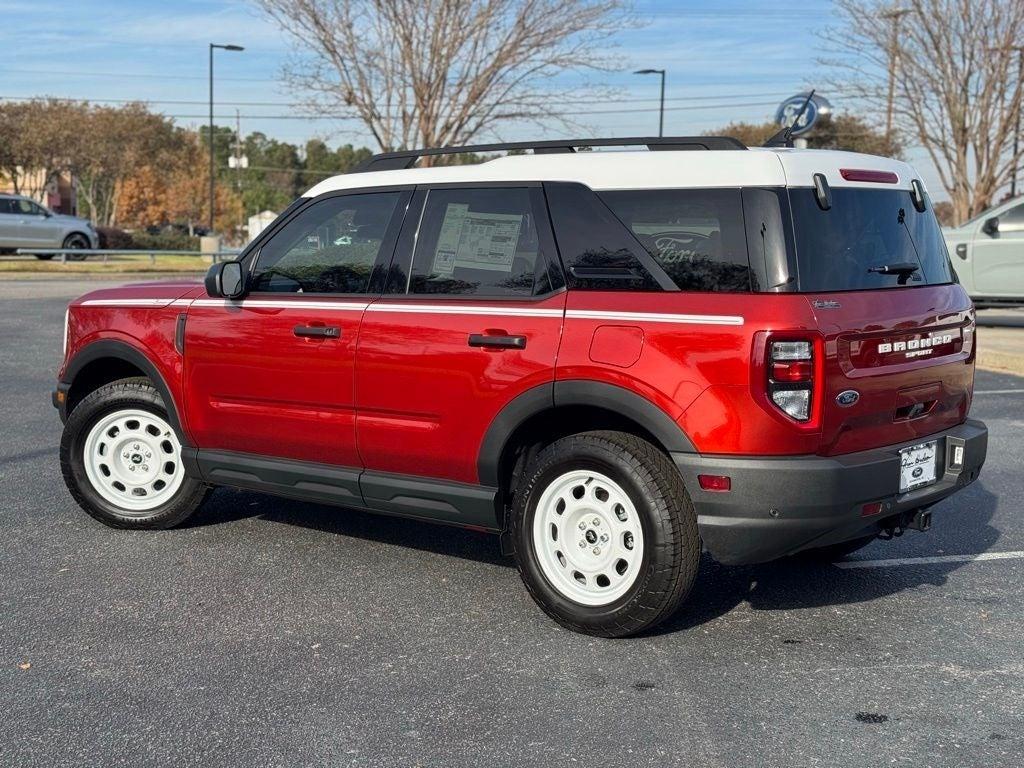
[587, 538]
[132, 459]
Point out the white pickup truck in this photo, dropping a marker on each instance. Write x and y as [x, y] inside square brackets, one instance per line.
[988, 255]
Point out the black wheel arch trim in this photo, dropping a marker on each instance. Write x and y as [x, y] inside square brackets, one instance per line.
[570, 392]
[120, 350]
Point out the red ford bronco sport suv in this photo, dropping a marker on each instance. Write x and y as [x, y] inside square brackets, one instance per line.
[609, 358]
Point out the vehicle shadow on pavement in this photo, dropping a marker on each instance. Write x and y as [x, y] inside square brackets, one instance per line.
[797, 582]
[782, 585]
[227, 506]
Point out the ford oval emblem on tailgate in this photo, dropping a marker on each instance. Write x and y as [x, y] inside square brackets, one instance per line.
[847, 397]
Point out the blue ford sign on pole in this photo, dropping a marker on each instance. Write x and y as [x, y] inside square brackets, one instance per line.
[818, 107]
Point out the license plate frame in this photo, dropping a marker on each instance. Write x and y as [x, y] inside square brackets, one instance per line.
[919, 465]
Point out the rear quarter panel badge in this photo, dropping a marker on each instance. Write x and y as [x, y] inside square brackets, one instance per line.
[847, 397]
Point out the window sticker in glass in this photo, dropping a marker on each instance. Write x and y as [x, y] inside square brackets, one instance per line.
[476, 240]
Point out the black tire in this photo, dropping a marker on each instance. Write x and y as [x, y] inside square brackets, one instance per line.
[76, 240]
[44, 256]
[672, 546]
[834, 552]
[138, 394]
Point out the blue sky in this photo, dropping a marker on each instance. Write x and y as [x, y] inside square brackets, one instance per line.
[726, 60]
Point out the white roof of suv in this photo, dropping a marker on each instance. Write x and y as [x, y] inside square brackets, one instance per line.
[644, 169]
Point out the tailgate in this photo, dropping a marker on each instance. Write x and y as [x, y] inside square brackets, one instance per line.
[906, 353]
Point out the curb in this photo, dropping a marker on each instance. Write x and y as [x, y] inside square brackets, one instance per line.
[69, 277]
[1001, 362]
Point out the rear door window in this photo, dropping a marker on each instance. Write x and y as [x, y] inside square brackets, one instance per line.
[696, 236]
[844, 248]
[480, 242]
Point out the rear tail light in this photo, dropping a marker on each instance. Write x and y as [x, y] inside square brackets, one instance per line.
[791, 377]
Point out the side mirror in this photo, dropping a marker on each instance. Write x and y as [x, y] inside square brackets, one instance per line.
[225, 280]
[991, 226]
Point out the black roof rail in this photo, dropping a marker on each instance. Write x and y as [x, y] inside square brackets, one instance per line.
[392, 161]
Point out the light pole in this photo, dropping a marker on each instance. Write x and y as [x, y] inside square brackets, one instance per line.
[1016, 131]
[661, 110]
[1019, 49]
[893, 16]
[209, 137]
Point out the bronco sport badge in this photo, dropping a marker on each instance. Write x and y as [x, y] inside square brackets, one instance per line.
[916, 347]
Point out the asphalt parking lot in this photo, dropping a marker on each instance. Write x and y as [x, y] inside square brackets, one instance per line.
[277, 633]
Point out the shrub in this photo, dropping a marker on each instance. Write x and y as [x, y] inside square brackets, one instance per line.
[114, 238]
[165, 241]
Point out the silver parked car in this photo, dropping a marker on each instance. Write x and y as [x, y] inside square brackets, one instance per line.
[988, 255]
[24, 223]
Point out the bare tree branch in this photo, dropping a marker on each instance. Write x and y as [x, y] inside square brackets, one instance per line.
[442, 72]
[957, 88]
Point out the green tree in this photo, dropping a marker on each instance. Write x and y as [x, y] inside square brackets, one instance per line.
[840, 131]
[40, 139]
[114, 143]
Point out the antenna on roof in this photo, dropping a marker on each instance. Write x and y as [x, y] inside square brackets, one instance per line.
[784, 138]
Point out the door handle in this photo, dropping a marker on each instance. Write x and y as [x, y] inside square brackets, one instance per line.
[497, 342]
[318, 331]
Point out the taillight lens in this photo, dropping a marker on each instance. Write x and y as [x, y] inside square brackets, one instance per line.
[791, 377]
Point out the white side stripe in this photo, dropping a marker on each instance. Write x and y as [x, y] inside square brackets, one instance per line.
[127, 302]
[930, 560]
[432, 309]
[467, 309]
[351, 306]
[654, 317]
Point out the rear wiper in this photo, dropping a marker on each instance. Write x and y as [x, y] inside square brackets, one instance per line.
[902, 268]
[899, 268]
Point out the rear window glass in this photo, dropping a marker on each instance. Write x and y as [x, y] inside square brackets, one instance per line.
[843, 248]
[697, 236]
[597, 251]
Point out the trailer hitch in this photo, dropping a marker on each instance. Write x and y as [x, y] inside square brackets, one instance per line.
[894, 527]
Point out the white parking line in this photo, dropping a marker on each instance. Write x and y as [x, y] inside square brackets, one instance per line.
[930, 560]
[999, 392]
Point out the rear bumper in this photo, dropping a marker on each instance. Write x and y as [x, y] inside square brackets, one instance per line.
[781, 505]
